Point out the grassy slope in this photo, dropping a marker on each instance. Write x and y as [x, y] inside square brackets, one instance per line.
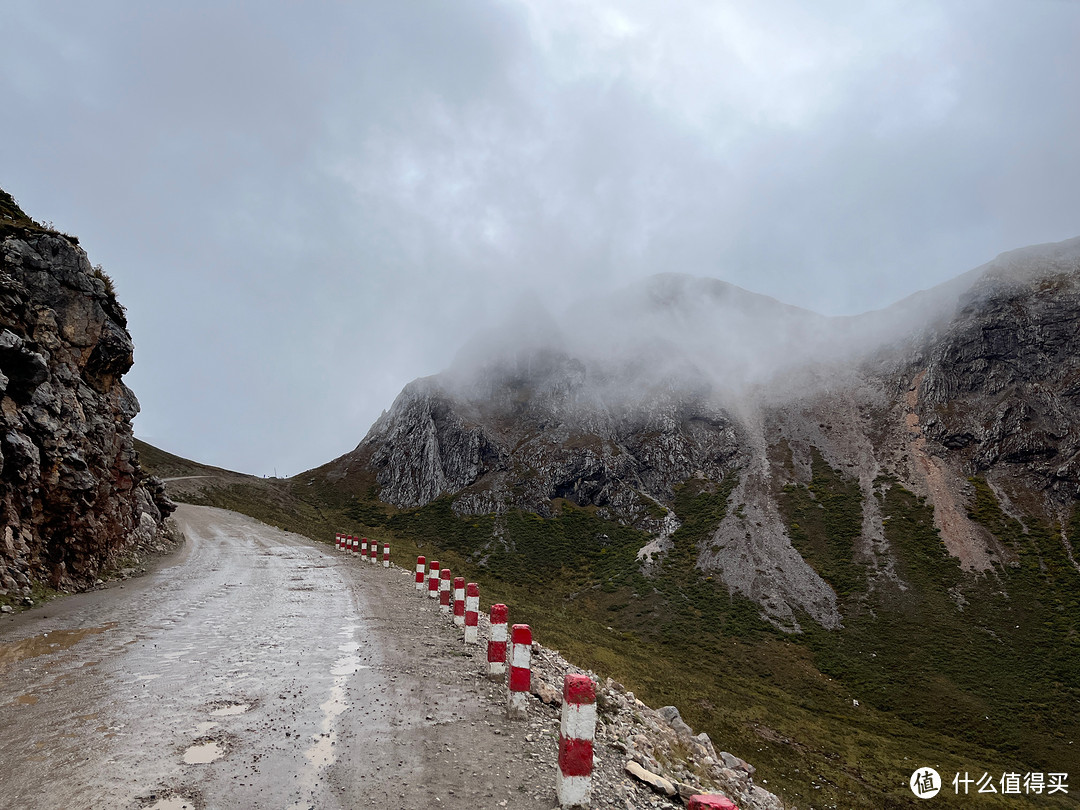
[166, 465]
[959, 690]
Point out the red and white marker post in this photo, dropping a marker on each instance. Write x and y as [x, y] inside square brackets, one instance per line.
[337, 541]
[433, 580]
[444, 590]
[363, 548]
[386, 555]
[421, 563]
[576, 733]
[496, 651]
[520, 671]
[711, 801]
[373, 552]
[459, 601]
[472, 613]
[350, 544]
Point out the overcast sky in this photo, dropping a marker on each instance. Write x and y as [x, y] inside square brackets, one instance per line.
[306, 205]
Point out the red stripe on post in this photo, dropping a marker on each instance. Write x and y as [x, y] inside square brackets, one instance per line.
[575, 757]
[579, 689]
[521, 634]
[519, 679]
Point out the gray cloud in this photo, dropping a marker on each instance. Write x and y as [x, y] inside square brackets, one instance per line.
[304, 207]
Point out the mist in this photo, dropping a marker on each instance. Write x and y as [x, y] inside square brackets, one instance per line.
[304, 208]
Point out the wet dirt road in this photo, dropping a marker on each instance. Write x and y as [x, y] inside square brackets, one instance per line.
[256, 669]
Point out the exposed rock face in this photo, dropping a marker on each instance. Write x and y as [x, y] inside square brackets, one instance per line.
[978, 377]
[518, 437]
[72, 495]
[1002, 385]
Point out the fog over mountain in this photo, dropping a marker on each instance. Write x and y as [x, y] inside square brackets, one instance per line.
[622, 402]
[680, 331]
[306, 206]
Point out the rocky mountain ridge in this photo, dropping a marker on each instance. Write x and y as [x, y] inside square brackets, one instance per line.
[73, 497]
[713, 384]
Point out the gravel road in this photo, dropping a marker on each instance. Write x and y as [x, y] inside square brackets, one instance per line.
[257, 669]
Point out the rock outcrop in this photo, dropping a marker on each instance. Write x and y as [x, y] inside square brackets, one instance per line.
[517, 438]
[72, 495]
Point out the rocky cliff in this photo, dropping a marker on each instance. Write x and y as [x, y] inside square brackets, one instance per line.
[72, 495]
[687, 382]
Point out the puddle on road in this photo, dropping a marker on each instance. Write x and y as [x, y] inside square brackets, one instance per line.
[352, 646]
[172, 803]
[46, 644]
[229, 711]
[27, 700]
[204, 753]
[202, 728]
[348, 665]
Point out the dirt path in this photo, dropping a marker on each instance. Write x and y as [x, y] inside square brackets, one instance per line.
[257, 670]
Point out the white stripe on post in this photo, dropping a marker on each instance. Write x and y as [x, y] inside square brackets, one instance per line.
[459, 601]
[420, 564]
[496, 652]
[386, 555]
[472, 613]
[576, 734]
[520, 671]
[444, 590]
[433, 580]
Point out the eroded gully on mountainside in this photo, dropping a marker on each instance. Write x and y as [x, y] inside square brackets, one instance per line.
[256, 669]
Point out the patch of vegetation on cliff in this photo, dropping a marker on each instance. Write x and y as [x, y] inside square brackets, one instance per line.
[824, 519]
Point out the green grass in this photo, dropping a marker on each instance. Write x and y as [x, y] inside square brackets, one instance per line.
[824, 522]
